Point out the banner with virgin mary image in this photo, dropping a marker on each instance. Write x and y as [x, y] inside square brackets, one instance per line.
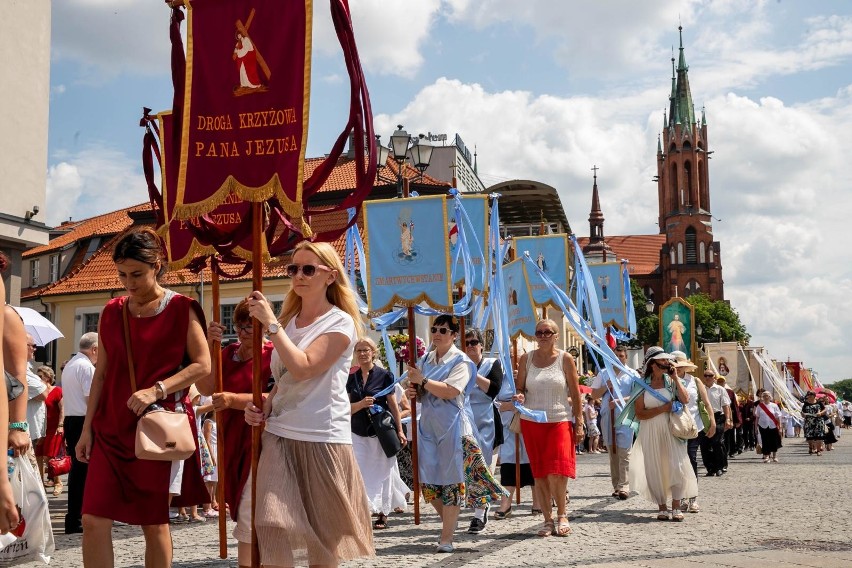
[407, 254]
[550, 253]
[476, 237]
[245, 104]
[608, 279]
[519, 303]
[677, 322]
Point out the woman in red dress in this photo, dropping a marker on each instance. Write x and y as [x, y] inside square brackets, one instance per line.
[235, 434]
[48, 447]
[170, 353]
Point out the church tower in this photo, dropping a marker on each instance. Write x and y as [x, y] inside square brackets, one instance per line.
[597, 251]
[689, 259]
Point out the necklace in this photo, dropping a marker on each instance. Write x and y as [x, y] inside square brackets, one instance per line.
[142, 306]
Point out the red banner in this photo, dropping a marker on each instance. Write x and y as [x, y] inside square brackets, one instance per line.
[245, 106]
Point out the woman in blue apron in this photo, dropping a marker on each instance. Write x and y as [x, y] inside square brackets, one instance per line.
[449, 460]
[489, 377]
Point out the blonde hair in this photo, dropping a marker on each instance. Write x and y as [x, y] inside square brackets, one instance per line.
[553, 327]
[339, 293]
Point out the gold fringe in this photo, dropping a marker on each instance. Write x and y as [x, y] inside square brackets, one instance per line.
[196, 250]
[396, 301]
[252, 194]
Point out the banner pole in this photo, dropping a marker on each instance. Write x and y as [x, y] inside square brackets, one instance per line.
[256, 362]
[216, 353]
[517, 436]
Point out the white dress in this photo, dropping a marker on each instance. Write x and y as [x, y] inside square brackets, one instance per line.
[384, 487]
[659, 465]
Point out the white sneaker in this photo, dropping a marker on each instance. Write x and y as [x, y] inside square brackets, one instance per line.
[693, 506]
[446, 548]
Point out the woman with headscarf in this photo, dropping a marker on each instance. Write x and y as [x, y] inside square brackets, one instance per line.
[659, 465]
[814, 411]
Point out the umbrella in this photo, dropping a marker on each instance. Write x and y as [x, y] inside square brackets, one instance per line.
[828, 393]
[41, 328]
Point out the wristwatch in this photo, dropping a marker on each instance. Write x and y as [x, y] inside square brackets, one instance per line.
[22, 426]
[273, 328]
[423, 384]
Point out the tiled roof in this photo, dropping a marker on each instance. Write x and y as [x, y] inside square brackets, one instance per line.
[343, 176]
[107, 224]
[643, 251]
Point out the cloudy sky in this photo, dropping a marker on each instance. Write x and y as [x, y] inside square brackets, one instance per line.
[545, 89]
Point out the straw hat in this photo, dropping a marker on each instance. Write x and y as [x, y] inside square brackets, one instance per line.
[652, 354]
[682, 362]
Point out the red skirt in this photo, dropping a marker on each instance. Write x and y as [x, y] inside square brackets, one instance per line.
[550, 446]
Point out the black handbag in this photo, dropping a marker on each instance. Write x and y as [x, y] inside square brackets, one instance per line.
[384, 427]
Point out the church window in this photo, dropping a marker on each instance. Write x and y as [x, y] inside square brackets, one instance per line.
[672, 254]
[701, 253]
[711, 253]
[674, 190]
[687, 175]
[692, 287]
[680, 253]
[691, 257]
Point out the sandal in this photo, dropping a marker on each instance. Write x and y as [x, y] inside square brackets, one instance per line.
[562, 528]
[500, 515]
[546, 529]
[663, 516]
[623, 495]
[677, 517]
[381, 522]
[535, 512]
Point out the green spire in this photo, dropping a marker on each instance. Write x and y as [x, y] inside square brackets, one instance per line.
[683, 96]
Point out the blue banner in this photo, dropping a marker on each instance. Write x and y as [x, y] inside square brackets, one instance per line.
[550, 254]
[520, 308]
[609, 283]
[408, 257]
[476, 207]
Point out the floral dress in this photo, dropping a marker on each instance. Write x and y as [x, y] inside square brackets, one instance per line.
[814, 425]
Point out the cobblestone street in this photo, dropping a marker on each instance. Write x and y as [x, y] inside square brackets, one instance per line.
[794, 513]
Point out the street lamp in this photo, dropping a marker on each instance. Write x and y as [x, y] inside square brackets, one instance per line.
[421, 154]
[401, 145]
[718, 331]
[649, 306]
[399, 142]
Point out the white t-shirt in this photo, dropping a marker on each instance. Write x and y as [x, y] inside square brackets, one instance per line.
[718, 398]
[458, 378]
[76, 382]
[316, 409]
[692, 390]
[764, 421]
[36, 409]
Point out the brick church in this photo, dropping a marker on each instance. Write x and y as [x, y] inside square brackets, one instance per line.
[683, 259]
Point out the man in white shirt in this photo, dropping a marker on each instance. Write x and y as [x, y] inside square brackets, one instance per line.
[713, 452]
[36, 393]
[76, 382]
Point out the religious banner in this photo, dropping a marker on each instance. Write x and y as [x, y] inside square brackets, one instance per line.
[476, 207]
[677, 325]
[245, 105]
[519, 303]
[407, 254]
[608, 279]
[724, 359]
[550, 253]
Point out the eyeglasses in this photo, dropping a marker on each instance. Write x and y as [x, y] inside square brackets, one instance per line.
[308, 270]
[363, 351]
[709, 375]
[544, 333]
[441, 330]
[246, 328]
[472, 342]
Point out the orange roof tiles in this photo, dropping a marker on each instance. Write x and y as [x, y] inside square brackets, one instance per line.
[343, 176]
[643, 251]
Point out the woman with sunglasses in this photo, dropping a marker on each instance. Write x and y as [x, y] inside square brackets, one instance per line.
[450, 461]
[489, 377]
[660, 470]
[385, 489]
[547, 379]
[235, 435]
[311, 498]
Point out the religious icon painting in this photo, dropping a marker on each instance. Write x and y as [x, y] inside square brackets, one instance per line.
[249, 62]
[677, 326]
[550, 254]
[407, 250]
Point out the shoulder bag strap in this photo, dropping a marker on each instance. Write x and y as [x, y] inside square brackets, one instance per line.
[130, 368]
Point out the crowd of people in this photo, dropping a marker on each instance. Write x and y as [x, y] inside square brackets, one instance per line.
[331, 412]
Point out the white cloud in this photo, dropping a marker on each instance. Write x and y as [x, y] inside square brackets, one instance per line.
[90, 182]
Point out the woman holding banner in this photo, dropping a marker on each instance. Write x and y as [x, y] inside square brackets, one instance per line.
[547, 378]
[235, 435]
[311, 503]
[450, 462]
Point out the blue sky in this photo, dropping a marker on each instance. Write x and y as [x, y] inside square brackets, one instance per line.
[545, 89]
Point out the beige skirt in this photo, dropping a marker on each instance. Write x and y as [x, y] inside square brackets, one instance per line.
[311, 504]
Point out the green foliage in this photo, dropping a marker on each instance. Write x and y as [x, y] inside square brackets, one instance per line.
[647, 323]
[709, 313]
[842, 388]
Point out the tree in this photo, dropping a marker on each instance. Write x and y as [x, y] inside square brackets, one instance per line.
[647, 323]
[709, 313]
[843, 388]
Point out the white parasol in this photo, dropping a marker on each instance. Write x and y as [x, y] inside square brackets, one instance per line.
[41, 328]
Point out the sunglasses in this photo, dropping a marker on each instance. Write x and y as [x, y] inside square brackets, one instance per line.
[709, 375]
[441, 330]
[307, 270]
[472, 342]
[544, 333]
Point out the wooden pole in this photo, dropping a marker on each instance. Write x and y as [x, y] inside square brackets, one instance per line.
[412, 360]
[256, 362]
[517, 436]
[216, 353]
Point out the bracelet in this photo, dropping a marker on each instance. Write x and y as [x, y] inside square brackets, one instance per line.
[22, 426]
[161, 386]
